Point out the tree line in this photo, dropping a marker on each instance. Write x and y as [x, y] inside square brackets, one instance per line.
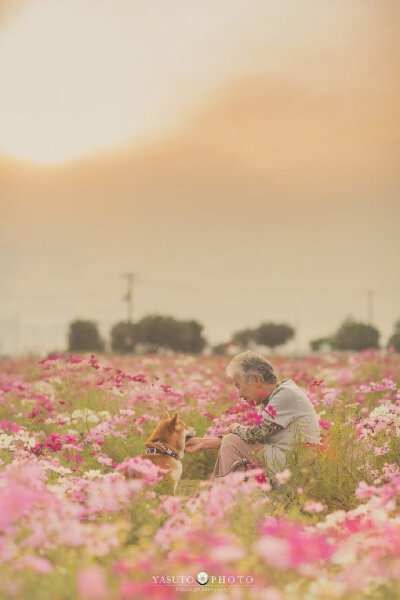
[157, 333]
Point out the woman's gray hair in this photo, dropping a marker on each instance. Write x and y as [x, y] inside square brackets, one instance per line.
[248, 364]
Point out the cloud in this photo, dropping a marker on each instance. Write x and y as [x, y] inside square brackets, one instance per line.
[329, 136]
[283, 135]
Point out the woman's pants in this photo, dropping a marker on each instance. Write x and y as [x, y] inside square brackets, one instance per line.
[234, 454]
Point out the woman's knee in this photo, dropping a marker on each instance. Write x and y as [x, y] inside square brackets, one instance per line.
[228, 440]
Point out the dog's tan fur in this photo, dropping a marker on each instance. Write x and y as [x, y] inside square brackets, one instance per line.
[173, 432]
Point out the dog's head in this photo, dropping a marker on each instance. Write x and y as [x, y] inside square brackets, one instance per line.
[178, 425]
[173, 430]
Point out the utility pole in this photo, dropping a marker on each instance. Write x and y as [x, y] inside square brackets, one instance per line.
[129, 294]
[370, 304]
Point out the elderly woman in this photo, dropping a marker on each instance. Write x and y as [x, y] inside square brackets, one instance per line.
[286, 412]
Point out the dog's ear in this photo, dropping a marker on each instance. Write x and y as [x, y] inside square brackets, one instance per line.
[166, 415]
[174, 420]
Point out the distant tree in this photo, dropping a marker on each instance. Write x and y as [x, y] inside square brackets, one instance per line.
[220, 349]
[123, 337]
[157, 331]
[154, 331]
[273, 334]
[395, 337]
[354, 335]
[243, 337]
[83, 336]
[189, 338]
[319, 343]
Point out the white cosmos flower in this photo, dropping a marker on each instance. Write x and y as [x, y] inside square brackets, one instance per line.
[5, 441]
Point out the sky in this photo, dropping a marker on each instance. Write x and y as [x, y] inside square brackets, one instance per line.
[240, 158]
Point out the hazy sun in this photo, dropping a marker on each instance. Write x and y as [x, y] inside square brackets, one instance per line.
[79, 76]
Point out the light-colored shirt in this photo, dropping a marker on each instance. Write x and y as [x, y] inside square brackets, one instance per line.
[297, 416]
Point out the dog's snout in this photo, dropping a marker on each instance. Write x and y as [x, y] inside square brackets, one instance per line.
[190, 432]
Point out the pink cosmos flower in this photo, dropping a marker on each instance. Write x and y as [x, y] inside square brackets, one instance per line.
[317, 383]
[141, 466]
[382, 450]
[54, 442]
[74, 359]
[285, 544]
[365, 491]
[274, 551]
[6, 425]
[227, 553]
[313, 507]
[103, 459]
[171, 504]
[253, 418]
[283, 477]
[92, 584]
[330, 397]
[36, 563]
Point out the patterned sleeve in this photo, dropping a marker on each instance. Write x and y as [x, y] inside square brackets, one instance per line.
[257, 433]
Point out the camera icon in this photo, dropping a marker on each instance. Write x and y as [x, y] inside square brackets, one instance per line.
[202, 578]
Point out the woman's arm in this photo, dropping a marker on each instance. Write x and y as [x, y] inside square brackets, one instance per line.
[256, 433]
[195, 444]
[211, 443]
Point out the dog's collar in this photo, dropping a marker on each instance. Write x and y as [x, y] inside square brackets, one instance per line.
[165, 449]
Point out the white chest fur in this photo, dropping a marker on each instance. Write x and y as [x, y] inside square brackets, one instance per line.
[176, 472]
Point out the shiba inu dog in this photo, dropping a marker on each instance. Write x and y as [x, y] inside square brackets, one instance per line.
[165, 446]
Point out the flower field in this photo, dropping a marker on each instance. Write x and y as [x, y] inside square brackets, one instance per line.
[82, 517]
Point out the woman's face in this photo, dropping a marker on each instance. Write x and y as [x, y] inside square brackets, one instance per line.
[248, 391]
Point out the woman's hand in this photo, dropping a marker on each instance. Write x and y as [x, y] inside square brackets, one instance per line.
[193, 445]
[232, 428]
